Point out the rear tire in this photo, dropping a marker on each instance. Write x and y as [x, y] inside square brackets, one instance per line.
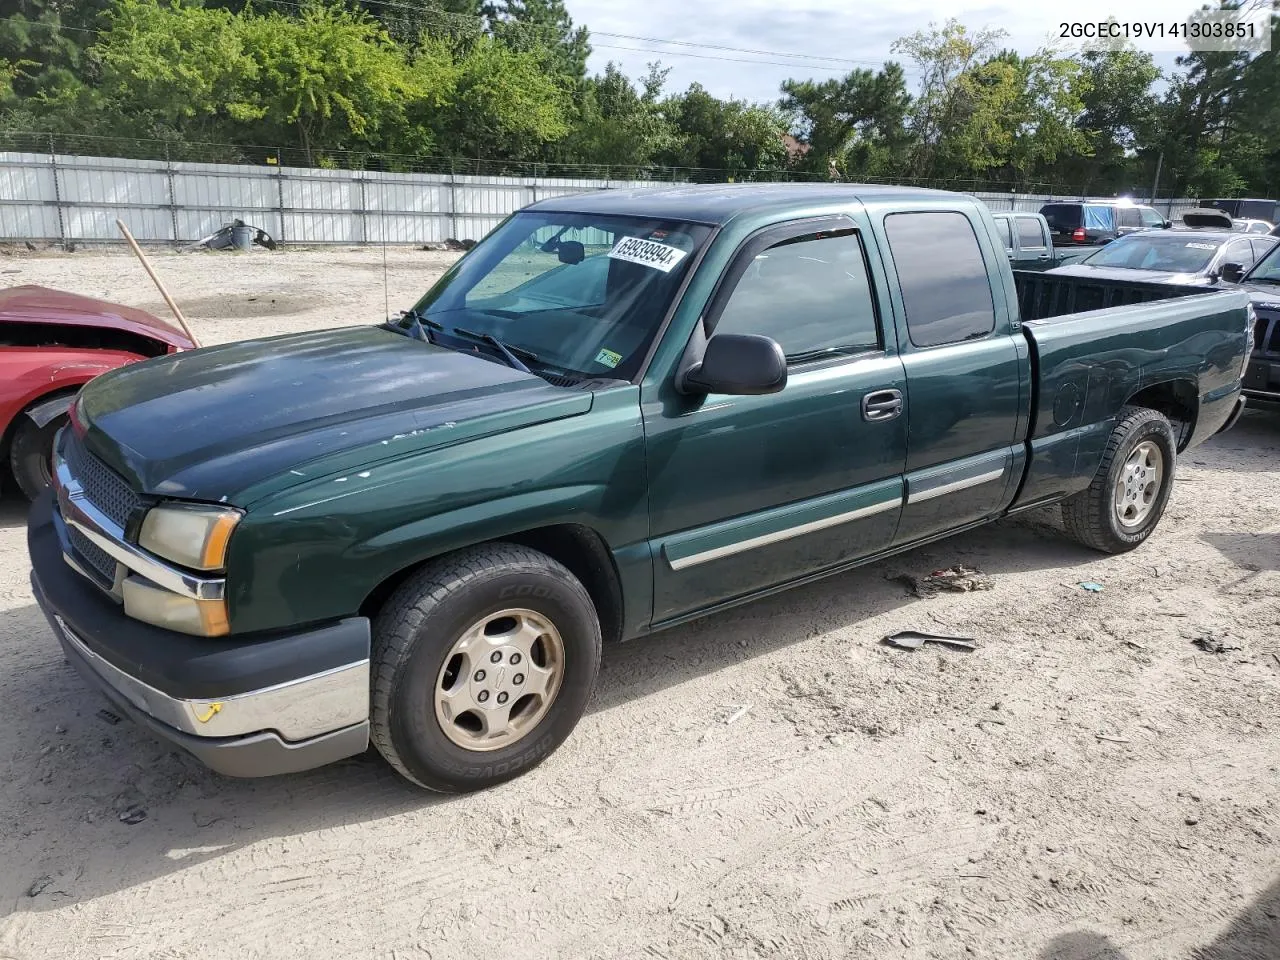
[458, 651]
[31, 454]
[1131, 489]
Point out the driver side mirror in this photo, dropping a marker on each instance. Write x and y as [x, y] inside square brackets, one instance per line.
[1231, 272]
[739, 364]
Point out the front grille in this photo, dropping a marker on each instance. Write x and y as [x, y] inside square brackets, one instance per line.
[96, 559]
[106, 490]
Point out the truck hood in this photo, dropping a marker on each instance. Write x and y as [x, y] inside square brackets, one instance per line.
[211, 423]
[1124, 273]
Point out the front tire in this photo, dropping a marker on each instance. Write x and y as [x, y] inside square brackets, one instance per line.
[483, 663]
[1131, 489]
[31, 454]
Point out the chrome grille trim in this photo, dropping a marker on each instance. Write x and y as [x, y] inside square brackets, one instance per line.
[80, 514]
[110, 492]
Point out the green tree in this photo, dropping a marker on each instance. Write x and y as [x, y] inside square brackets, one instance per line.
[1118, 116]
[855, 124]
[726, 135]
[529, 26]
[503, 105]
[620, 124]
[49, 38]
[944, 56]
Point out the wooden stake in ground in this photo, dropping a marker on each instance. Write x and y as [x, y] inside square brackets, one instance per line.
[142, 258]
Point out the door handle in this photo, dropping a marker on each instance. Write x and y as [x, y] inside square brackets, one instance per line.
[882, 405]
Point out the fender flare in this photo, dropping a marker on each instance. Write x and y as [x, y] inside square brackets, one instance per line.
[46, 411]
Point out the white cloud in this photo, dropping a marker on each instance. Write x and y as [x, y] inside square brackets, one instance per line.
[859, 32]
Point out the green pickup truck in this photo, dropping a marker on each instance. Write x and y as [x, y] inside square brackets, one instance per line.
[618, 412]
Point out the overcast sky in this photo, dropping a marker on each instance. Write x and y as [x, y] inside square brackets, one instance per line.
[854, 34]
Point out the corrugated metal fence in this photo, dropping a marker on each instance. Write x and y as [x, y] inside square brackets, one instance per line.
[73, 199]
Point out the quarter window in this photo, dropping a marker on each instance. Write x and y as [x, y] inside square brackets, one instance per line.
[1002, 225]
[945, 287]
[811, 294]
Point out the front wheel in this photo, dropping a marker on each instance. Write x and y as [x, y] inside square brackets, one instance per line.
[483, 663]
[31, 454]
[1130, 491]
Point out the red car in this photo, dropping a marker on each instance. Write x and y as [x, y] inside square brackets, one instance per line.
[51, 344]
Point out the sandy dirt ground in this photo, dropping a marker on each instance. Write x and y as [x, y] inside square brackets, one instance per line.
[772, 782]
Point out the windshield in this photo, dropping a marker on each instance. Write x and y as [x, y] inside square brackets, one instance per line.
[1266, 270]
[577, 295]
[1184, 253]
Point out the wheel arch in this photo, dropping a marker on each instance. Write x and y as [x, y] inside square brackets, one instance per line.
[1178, 400]
[578, 547]
[62, 390]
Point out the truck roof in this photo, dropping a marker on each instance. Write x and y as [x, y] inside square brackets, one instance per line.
[716, 203]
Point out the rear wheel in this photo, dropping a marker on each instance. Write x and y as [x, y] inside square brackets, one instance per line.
[483, 663]
[1130, 491]
[31, 454]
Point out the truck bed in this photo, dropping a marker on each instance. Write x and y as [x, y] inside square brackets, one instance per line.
[1042, 296]
[1096, 344]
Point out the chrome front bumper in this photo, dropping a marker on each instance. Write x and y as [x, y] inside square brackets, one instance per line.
[298, 710]
[246, 706]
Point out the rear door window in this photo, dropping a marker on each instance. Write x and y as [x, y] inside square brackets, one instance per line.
[1030, 234]
[1128, 218]
[1150, 218]
[945, 287]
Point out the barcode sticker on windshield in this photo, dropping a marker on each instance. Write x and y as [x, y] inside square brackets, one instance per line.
[1203, 246]
[647, 252]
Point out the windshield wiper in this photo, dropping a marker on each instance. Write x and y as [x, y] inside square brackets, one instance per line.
[510, 354]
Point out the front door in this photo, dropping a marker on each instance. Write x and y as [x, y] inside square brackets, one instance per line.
[750, 492]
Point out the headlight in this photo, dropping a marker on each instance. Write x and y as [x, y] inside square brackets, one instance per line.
[151, 604]
[190, 535]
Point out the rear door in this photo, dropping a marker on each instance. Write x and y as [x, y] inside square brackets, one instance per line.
[966, 372]
[1033, 240]
[746, 492]
[1128, 220]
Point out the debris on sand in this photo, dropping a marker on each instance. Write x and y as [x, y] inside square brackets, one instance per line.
[955, 579]
[914, 640]
[1214, 644]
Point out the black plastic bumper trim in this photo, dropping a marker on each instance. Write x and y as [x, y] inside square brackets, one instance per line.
[256, 755]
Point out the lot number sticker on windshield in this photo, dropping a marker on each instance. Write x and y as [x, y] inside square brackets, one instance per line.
[1203, 246]
[660, 256]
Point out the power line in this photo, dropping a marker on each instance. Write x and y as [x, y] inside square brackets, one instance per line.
[707, 56]
[716, 46]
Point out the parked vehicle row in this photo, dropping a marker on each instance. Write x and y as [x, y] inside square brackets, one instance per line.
[618, 412]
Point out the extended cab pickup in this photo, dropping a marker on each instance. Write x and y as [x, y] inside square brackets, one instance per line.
[618, 412]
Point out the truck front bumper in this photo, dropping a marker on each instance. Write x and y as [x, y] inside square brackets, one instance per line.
[244, 706]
